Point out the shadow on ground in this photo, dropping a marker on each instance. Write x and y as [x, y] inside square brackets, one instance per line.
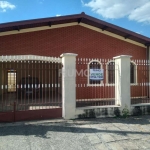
[75, 126]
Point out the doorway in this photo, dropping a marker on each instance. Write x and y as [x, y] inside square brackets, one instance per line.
[11, 78]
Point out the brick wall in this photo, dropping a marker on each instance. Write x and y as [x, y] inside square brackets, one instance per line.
[74, 39]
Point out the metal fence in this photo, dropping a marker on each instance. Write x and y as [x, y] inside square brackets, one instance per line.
[29, 83]
[140, 87]
[95, 82]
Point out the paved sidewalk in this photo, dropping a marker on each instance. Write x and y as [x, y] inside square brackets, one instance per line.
[90, 134]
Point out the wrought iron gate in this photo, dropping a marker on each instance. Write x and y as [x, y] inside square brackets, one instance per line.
[30, 88]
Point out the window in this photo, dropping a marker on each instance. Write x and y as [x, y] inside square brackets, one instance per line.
[111, 72]
[94, 66]
[133, 73]
[11, 79]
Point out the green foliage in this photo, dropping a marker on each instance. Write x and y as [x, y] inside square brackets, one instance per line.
[81, 116]
[143, 111]
[92, 113]
[87, 114]
[125, 112]
[137, 111]
[117, 112]
[106, 111]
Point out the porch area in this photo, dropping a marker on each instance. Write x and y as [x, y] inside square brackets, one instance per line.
[30, 84]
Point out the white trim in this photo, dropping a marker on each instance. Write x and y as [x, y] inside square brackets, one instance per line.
[122, 56]
[68, 54]
[112, 35]
[140, 104]
[29, 57]
[138, 97]
[38, 28]
[88, 83]
[72, 24]
[95, 85]
[111, 84]
[133, 84]
[95, 99]
[92, 107]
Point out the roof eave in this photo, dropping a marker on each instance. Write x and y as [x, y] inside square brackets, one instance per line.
[127, 34]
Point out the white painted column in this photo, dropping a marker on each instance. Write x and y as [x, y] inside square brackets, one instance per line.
[68, 85]
[122, 81]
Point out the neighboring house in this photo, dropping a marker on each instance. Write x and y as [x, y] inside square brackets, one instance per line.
[81, 34]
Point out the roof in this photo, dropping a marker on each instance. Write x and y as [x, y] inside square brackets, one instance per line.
[79, 18]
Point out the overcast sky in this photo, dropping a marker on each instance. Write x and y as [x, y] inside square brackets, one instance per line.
[130, 14]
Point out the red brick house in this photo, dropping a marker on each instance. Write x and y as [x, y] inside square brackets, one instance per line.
[80, 34]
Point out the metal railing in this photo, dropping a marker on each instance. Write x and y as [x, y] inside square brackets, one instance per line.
[92, 90]
[32, 82]
[140, 87]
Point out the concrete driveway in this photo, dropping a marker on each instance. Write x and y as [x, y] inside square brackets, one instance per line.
[88, 134]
